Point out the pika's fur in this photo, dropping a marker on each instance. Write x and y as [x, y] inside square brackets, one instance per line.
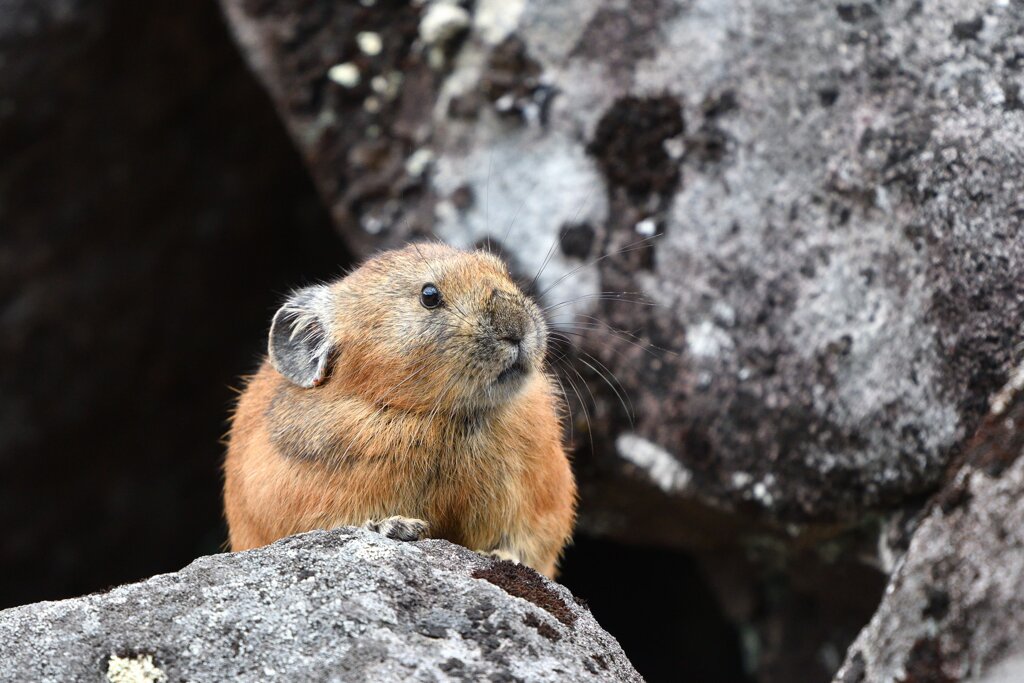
[410, 394]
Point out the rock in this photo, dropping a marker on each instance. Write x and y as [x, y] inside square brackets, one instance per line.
[833, 193]
[341, 605]
[954, 607]
[442, 21]
[28, 23]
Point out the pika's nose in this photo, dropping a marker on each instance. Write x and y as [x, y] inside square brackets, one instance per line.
[507, 318]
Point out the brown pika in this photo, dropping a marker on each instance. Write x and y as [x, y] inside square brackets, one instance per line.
[410, 396]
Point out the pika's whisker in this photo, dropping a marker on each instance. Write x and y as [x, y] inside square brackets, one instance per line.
[632, 246]
[601, 296]
[508, 231]
[554, 243]
[577, 329]
[579, 397]
[615, 385]
[568, 406]
[487, 194]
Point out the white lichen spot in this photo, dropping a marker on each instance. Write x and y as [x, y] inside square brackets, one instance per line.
[674, 148]
[370, 43]
[442, 22]
[346, 74]
[417, 163]
[723, 313]
[138, 669]
[388, 86]
[374, 552]
[367, 3]
[663, 469]
[707, 340]
[371, 104]
[445, 210]
[1009, 670]
[762, 495]
[882, 201]
[1001, 400]
[372, 225]
[494, 20]
[887, 556]
[505, 103]
[647, 227]
[741, 480]
[435, 58]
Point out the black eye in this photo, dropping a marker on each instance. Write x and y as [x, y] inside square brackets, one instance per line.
[430, 296]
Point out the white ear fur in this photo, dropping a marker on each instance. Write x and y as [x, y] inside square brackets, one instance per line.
[300, 344]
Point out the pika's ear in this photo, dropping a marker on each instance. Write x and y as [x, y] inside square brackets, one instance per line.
[300, 342]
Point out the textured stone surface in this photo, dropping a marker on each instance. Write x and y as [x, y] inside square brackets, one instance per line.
[836, 192]
[332, 606]
[954, 607]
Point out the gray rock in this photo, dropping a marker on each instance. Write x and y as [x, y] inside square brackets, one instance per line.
[341, 605]
[954, 606]
[835, 188]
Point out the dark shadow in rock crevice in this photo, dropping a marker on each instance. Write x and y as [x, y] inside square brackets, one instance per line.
[660, 608]
[154, 212]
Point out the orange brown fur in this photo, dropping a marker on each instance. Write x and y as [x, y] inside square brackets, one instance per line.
[412, 419]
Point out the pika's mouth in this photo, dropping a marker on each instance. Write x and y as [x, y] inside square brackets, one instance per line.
[514, 371]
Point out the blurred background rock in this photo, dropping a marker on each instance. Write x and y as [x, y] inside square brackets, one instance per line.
[152, 213]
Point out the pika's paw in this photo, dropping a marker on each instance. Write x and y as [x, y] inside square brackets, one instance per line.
[399, 528]
[500, 554]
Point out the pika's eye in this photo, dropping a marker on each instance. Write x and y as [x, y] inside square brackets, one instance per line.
[430, 296]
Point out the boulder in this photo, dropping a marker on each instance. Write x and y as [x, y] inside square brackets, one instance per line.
[333, 606]
[821, 201]
[954, 606]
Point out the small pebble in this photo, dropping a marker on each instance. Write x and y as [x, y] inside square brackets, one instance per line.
[418, 161]
[646, 227]
[369, 42]
[442, 22]
[345, 75]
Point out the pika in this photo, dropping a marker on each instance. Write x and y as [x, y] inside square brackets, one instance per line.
[410, 396]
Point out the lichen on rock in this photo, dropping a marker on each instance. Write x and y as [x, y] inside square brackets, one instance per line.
[340, 605]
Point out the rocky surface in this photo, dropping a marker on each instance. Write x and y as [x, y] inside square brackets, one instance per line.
[954, 606]
[331, 606]
[833, 190]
